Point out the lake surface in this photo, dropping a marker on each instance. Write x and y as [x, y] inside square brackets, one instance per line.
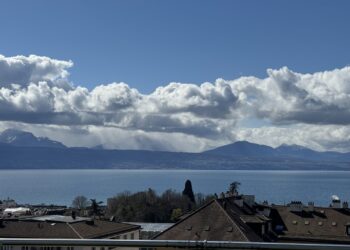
[61, 186]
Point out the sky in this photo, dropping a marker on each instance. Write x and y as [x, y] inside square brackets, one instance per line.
[177, 75]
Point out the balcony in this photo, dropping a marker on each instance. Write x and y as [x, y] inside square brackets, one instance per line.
[100, 244]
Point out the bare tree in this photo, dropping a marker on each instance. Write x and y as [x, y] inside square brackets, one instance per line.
[80, 202]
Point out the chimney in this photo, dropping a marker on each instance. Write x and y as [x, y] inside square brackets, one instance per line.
[267, 211]
[262, 229]
[90, 222]
[238, 201]
[269, 226]
[295, 206]
[311, 206]
[345, 204]
[224, 204]
[335, 202]
[264, 209]
[74, 215]
[249, 200]
[348, 229]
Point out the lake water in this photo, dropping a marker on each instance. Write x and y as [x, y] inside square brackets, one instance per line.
[61, 186]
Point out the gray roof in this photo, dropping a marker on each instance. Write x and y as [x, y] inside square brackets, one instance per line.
[324, 224]
[52, 230]
[59, 218]
[211, 222]
[152, 227]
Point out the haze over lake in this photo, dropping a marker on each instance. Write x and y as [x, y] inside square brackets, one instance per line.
[61, 186]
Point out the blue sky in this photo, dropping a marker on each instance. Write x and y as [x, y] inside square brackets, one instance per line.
[151, 43]
[295, 53]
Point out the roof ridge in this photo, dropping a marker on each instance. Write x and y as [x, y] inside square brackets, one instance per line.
[233, 222]
[115, 232]
[239, 223]
[75, 231]
[191, 214]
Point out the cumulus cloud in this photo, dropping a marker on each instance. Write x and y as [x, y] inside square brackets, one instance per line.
[204, 111]
[36, 91]
[289, 97]
[23, 70]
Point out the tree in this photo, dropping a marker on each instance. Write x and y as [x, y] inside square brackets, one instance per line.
[175, 214]
[80, 202]
[188, 191]
[234, 186]
[95, 207]
[148, 206]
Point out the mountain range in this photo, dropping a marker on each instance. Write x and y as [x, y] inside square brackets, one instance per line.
[23, 150]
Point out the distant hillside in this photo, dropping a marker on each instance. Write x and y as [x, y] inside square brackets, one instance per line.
[22, 150]
[244, 149]
[84, 158]
[20, 138]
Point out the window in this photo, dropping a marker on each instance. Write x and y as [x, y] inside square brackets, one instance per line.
[125, 236]
[132, 236]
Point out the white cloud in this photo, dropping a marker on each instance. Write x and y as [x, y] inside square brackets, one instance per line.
[289, 97]
[23, 70]
[36, 93]
[317, 137]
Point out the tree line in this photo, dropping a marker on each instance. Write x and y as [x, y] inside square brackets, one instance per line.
[148, 206]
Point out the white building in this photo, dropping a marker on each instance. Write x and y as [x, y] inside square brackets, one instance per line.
[16, 211]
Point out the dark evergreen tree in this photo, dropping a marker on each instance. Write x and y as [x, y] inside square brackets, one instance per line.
[234, 186]
[188, 191]
[95, 207]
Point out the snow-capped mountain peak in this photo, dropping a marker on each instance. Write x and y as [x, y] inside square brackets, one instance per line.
[21, 138]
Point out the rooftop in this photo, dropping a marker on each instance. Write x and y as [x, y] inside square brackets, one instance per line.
[62, 228]
[322, 224]
[152, 227]
[59, 218]
[214, 221]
